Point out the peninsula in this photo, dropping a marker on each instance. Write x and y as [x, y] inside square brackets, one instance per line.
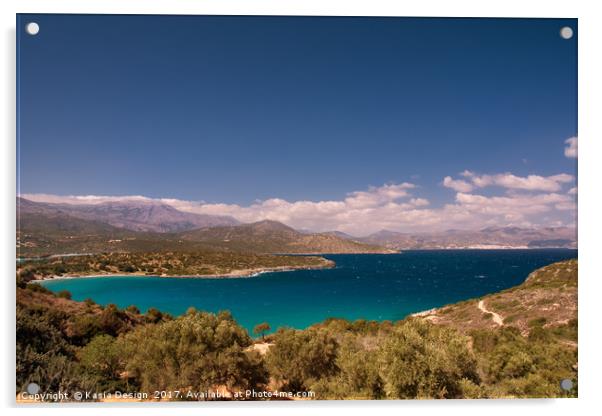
[207, 264]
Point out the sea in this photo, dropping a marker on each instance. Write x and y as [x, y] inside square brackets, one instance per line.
[361, 286]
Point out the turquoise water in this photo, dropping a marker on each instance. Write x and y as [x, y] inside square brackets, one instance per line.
[368, 286]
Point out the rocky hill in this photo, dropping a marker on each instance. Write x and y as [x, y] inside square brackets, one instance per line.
[547, 298]
[274, 237]
[45, 231]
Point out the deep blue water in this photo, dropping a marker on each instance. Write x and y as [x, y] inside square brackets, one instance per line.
[368, 286]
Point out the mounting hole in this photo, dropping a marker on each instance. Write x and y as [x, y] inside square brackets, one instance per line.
[566, 32]
[33, 388]
[566, 384]
[32, 28]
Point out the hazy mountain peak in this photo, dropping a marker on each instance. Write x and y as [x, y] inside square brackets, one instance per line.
[132, 215]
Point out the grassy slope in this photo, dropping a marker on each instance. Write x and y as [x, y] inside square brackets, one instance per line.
[547, 298]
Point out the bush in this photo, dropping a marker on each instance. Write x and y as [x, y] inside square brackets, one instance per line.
[300, 358]
[34, 287]
[113, 321]
[133, 309]
[101, 359]
[421, 360]
[483, 340]
[358, 375]
[65, 294]
[529, 367]
[84, 328]
[537, 322]
[44, 354]
[153, 315]
[196, 351]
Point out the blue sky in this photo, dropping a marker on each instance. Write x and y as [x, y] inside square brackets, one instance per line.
[235, 110]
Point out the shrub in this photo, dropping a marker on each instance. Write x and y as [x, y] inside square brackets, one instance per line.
[529, 367]
[133, 309]
[358, 372]
[483, 340]
[421, 360]
[34, 287]
[541, 321]
[65, 294]
[197, 351]
[101, 359]
[112, 321]
[300, 358]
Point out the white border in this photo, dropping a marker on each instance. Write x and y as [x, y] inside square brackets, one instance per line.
[590, 113]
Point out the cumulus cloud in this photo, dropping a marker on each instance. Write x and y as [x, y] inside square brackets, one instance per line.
[457, 185]
[378, 195]
[509, 181]
[570, 150]
[360, 212]
[391, 206]
[517, 204]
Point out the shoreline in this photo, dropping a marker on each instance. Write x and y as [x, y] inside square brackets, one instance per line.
[425, 313]
[235, 274]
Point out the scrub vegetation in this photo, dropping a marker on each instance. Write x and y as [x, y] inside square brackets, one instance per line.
[202, 263]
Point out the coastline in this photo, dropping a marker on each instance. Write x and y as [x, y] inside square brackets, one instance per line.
[425, 313]
[235, 274]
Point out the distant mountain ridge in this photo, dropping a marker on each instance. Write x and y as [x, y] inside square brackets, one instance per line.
[50, 229]
[275, 237]
[490, 237]
[45, 228]
[131, 215]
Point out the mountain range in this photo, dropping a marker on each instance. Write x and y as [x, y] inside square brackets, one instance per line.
[45, 229]
[490, 237]
[131, 215]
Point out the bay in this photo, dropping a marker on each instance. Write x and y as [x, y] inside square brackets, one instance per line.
[361, 286]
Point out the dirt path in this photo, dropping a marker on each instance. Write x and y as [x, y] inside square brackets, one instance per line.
[496, 317]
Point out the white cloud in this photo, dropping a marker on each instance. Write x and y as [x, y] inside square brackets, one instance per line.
[389, 206]
[83, 199]
[457, 185]
[515, 204]
[571, 150]
[377, 196]
[509, 181]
